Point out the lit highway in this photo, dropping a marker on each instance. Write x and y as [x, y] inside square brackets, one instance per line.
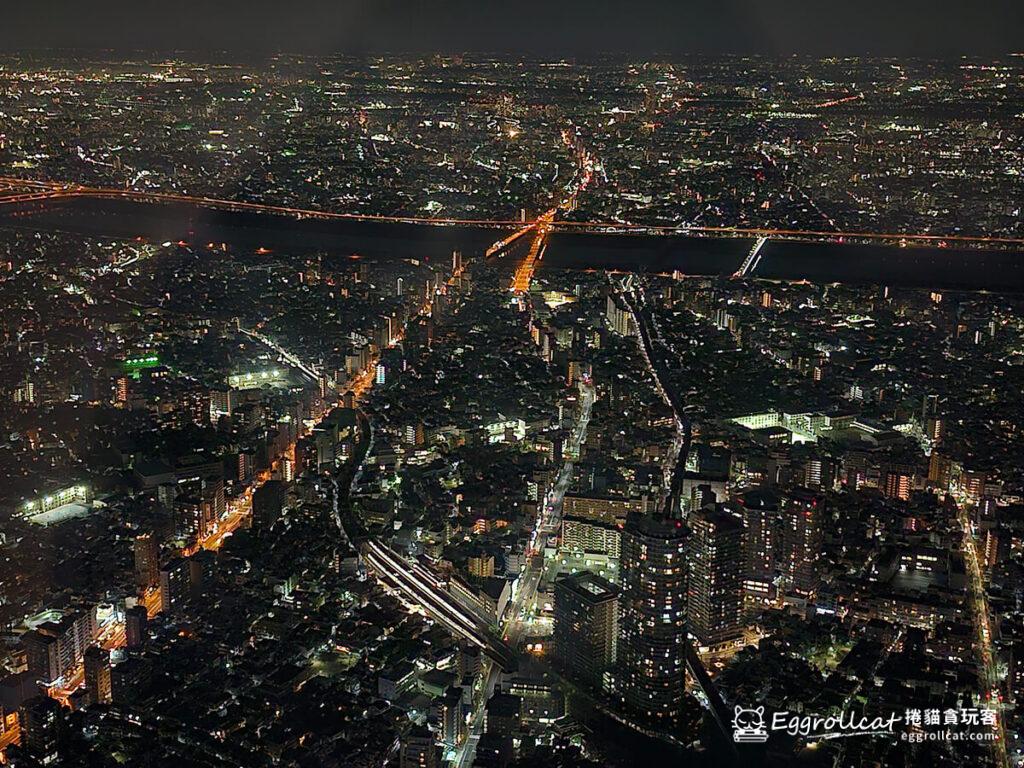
[753, 258]
[18, 191]
[500, 246]
[45, 191]
[543, 225]
[826, 236]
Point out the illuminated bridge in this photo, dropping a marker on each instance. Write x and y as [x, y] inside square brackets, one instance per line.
[899, 259]
[501, 245]
[420, 587]
[14, 191]
[17, 191]
[524, 272]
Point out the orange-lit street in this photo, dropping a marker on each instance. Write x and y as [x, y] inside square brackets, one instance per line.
[10, 735]
[152, 601]
[507, 241]
[978, 603]
[111, 638]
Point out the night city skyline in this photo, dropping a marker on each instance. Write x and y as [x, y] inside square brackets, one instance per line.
[433, 385]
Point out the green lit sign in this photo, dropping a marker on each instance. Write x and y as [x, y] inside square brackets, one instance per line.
[145, 361]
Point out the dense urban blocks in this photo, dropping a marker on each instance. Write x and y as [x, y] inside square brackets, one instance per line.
[646, 412]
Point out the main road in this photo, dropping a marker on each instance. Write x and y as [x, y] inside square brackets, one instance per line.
[978, 601]
[636, 302]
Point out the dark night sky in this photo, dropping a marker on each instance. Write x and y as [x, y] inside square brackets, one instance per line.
[558, 27]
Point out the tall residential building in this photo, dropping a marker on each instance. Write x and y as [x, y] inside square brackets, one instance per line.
[267, 504]
[41, 655]
[618, 320]
[54, 648]
[43, 730]
[586, 626]
[481, 565]
[817, 472]
[701, 496]
[714, 605]
[469, 661]
[582, 536]
[760, 508]
[931, 419]
[899, 482]
[606, 509]
[194, 518]
[221, 402]
[940, 470]
[452, 718]
[97, 675]
[135, 625]
[652, 620]
[214, 501]
[147, 561]
[178, 581]
[802, 541]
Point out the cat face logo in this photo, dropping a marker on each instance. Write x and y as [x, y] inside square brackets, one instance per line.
[748, 726]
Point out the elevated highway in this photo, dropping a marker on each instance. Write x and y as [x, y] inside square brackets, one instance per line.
[14, 191]
[17, 191]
